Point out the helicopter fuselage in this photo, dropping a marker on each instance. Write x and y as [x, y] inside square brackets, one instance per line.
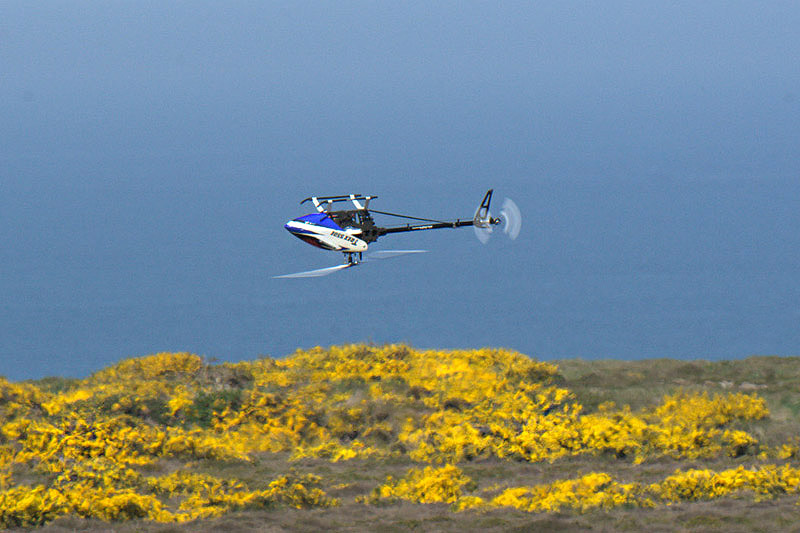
[320, 230]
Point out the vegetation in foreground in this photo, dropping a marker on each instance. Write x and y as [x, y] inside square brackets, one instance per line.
[367, 437]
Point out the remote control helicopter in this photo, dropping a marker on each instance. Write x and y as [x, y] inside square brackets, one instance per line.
[351, 231]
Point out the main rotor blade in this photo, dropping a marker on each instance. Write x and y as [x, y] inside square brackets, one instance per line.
[318, 272]
[381, 254]
[388, 254]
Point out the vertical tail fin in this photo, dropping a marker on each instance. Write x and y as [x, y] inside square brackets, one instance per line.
[483, 218]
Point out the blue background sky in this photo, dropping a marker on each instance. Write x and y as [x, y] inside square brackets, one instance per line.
[150, 153]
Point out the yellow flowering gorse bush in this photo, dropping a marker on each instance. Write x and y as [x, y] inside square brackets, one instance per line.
[430, 485]
[593, 490]
[89, 442]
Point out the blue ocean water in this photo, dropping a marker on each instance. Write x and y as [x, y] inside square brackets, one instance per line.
[625, 268]
[150, 154]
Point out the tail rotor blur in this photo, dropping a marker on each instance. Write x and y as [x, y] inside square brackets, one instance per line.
[510, 219]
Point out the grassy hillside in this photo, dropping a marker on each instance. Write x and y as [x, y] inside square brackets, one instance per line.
[365, 438]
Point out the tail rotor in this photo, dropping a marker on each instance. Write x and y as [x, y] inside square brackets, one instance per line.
[510, 218]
